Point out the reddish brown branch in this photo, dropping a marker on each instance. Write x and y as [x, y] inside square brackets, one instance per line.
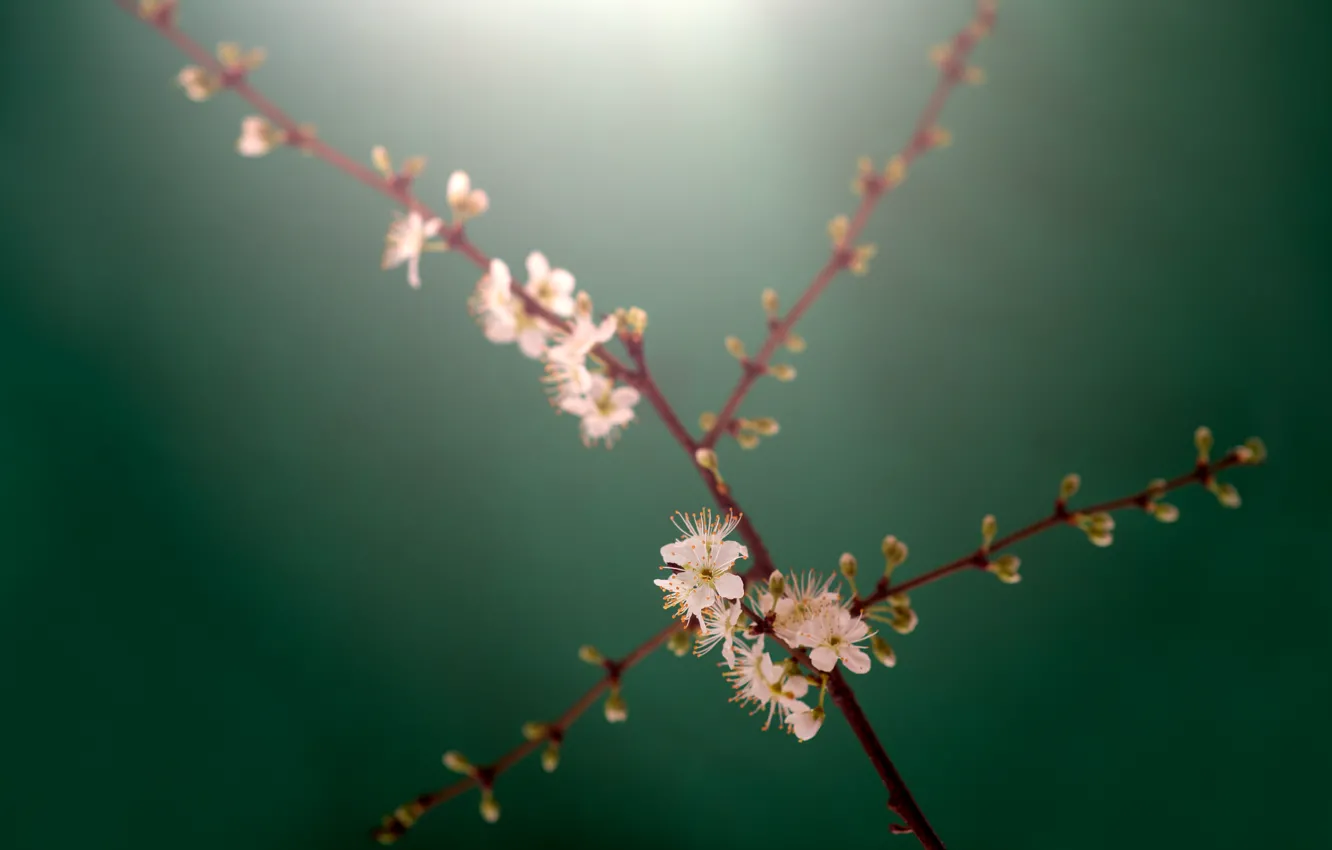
[395, 825]
[952, 71]
[398, 189]
[1061, 515]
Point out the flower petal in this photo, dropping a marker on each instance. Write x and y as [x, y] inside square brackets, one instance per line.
[730, 586]
[823, 658]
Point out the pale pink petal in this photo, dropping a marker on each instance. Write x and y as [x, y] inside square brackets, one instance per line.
[855, 658]
[823, 658]
[538, 268]
[624, 397]
[728, 551]
[730, 586]
[561, 281]
[459, 186]
[797, 686]
[532, 342]
[804, 724]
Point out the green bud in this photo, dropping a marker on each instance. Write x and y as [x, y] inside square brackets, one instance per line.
[847, 564]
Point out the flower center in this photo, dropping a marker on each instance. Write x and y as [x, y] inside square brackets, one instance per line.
[834, 641]
[706, 574]
[604, 406]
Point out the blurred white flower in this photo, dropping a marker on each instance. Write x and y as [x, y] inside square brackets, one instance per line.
[465, 201]
[257, 136]
[552, 288]
[603, 407]
[406, 240]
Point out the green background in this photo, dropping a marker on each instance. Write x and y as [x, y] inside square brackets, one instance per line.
[278, 530]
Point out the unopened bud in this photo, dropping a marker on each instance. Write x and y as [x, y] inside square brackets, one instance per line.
[894, 553]
[636, 318]
[735, 347]
[837, 230]
[973, 75]
[550, 757]
[1068, 488]
[490, 810]
[861, 259]
[1202, 440]
[380, 158]
[707, 420]
[795, 343]
[413, 166]
[939, 137]
[1257, 449]
[458, 763]
[747, 439]
[678, 643]
[1165, 512]
[197, 83]
[904, 620]
[765, 425]
[706, 458]
[591, 655]
[1225, 493]
[771, 303]
[883, 651]
[534, 731]
[782, 372]
[616, 710]
[1006, 568]
[895, 171]
[940, 54]
[776, 584]
[847, 564]
[989, 528]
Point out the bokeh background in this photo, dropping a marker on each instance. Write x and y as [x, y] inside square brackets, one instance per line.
[278, 530]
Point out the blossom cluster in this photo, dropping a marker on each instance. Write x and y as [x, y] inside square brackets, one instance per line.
[543, 316]
[806, 615]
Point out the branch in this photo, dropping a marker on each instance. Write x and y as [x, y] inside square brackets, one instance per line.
[953, 70]
[395, 825]
[1203, 473]
[161, 15]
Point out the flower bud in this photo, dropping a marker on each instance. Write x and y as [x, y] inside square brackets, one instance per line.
[1226, 494]
[707, 459]
[414, 166]
[458, 763]
[550, 757]
[782, 372]
[795, 343]
[1257, 449]
[771, 303]
[380, 159]
[257, 136]
[883, 651]
[989, 528]
[678, 643]
[776, 584]
[490, 810]
[894, 553]
[1165, 512]
[534, 731]
[1156, 488]
[197, 83]
[707, 420]
[747, 439]
[938, 137]
[1202, 440]
[861, 259]
[616, 710]
[1068, 488]
[636, 319]
[765, 425]
[973, 75]
[591, 655]
[895, 171]
[904, 620]
[837, 229]
[735, 347]
[847, 564]
[1006, 568]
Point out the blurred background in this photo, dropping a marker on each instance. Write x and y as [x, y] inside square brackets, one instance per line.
[278, 530]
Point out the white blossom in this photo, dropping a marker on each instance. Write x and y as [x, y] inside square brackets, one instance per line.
[760, 682]
[603, 407]
[501, 314]
[198, 83]
[552, 288]
[405, 241]
[257, 136]
[702, 561]
[832, 635]
[465, 201]
[719, 626]
[805, 722]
